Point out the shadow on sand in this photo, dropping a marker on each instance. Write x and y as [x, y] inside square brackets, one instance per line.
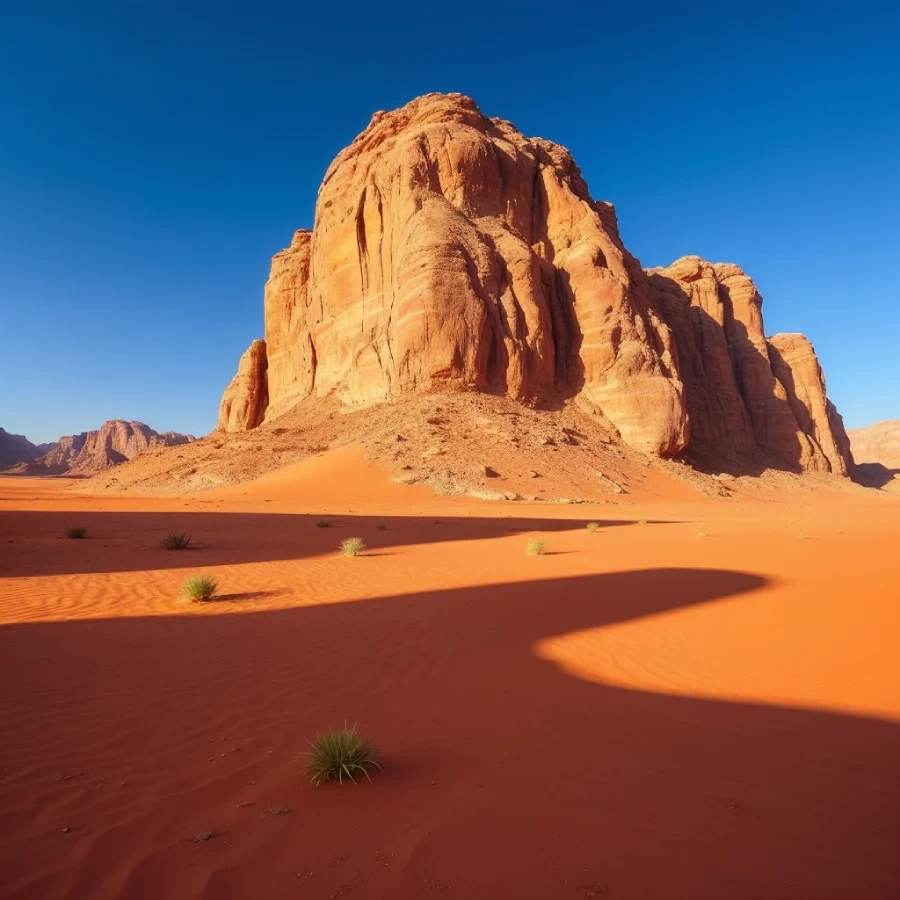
[33, 543]
[505, 776]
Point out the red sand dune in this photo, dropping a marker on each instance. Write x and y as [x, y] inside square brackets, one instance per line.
[643, 711]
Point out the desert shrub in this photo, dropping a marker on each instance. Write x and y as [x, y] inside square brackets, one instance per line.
[593, 526]
[323, 524]
[76, 531]
[199, 588]
[340, 753]
[535, 548]
[174, 541]
[642, 522]
[701, 532]
[352, 546]
[381, 527]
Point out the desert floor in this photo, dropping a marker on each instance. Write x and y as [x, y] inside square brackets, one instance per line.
[645, 711]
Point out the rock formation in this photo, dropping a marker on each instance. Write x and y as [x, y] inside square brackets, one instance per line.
[16, 448]
[450, 252]
[92, 451]
[245, 399]
[878, 443]
[744, 392]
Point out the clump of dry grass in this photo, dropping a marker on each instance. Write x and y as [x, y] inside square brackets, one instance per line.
[535, 548]
[352, 546]
[199, 588]
[76, 531]
[341, 753]
[323, 524]
[593, 526]
[174, 541]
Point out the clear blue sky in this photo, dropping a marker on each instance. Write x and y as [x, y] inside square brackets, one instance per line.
[153, 156]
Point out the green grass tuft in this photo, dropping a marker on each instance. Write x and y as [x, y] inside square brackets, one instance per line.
[76, 531]
[323, 524]
[174, 541]
[340, 753]
[593, 526]
[199, 588]
[535, 548]
[352, 546]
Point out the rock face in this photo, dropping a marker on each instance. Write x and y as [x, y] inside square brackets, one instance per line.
[245, 399]
[92, 451]
[16, 448]
[450, 252]
[744, 392]
[878, 443]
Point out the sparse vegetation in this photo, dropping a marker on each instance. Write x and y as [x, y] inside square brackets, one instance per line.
[199, 588]
[341, 753]
[801, 536]
[593, 526]
[352, 546]
[76, 531]
[323, 524]
[535, 548]
[174, 541]
[642, 522]
[701, 532]
[381, 527]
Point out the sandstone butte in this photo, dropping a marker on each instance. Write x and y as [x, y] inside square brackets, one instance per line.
[451, 252]
[878, 443]
[93, 451]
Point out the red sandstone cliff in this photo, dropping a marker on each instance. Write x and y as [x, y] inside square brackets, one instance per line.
[450, 252]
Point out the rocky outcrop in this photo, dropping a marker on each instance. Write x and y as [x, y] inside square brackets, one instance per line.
[745, 393]
[93, 451]
[797, 368]
[877, 444]
[245, 399]
[450, 252]
[16, 448]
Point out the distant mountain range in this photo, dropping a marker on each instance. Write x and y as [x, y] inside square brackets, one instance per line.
[85, 453]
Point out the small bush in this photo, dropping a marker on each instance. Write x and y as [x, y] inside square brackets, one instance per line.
[199, 588]
[701, 532]
[801, 536]
[174, 541]
[76, 531]
[535, 548]
[381, 527]
[352, 546]
[340, 753]
[593, 526]
[642, 522]
[323, 524]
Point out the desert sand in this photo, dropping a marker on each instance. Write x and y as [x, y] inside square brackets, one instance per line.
[692, 701]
